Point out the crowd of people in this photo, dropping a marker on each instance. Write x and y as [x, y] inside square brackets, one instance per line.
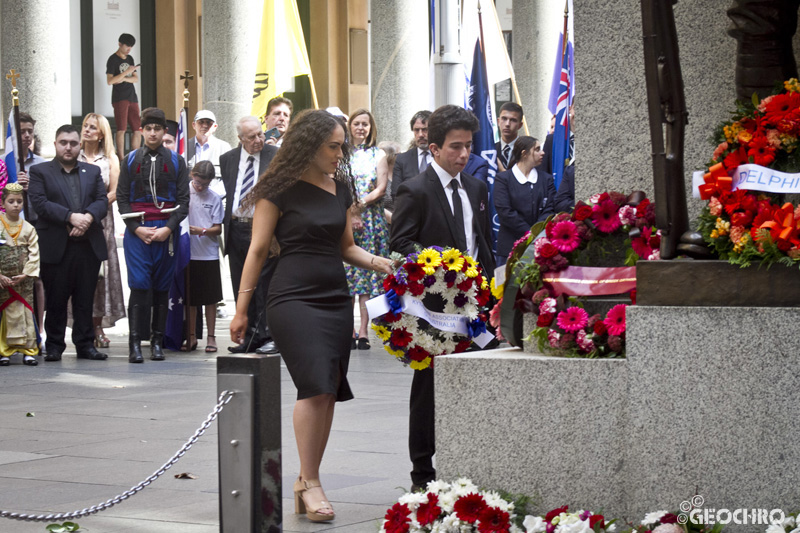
[307, 211]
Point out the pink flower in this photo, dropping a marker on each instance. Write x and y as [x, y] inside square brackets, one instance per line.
[720, 150]
[547, 306]
[627, 215]
[715, 206]
[552, 337]
[604, 216]
[573, 319]
[565, 236]
[668, 528]
[585, 343]
[615, 320]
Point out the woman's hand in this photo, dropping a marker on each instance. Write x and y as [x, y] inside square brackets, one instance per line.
[16, 280]
[5, 282]
[238, 328]
[382, 264]
[358, 224]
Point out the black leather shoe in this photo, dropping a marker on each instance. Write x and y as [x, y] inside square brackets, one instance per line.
[91, 353]
[267, 348]
[239, 348]
[50, 356]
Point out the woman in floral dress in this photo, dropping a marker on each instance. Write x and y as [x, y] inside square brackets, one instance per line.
[371, 172]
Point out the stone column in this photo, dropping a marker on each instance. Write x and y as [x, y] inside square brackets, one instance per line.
[400, 70]
[535, 30]
[612, 138]
[35, 35]
[230, 50]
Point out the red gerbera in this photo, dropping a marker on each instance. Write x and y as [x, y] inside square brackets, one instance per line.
[615, 320]
[415, 288]
[483, 297]
[762, 152]
[544, 320]
[554, 513]
[605, 217]
[414, 271]
[493, 520]
[573, 319]
[735, 158]
[418, 354]
[391, 283]
[391, 317]
[462, 346]
[401, 337]
[780, 107]
[469, 507]
[641, 244]
[429, 511]
[398, 519]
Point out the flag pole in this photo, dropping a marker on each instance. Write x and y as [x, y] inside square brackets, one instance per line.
[509, 65]
[186, 308]
[186, 77]
[13, 76]
[313, 89]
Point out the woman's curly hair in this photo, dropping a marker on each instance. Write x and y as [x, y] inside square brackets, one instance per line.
[306, 134]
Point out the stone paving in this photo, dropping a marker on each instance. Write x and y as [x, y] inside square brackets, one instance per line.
[99, 427]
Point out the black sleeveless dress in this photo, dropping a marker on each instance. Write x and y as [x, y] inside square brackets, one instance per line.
[309, 310]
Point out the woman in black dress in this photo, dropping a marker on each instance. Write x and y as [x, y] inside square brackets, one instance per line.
[303, 200]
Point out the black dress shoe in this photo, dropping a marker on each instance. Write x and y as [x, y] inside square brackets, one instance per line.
[239, 348]
[267, 348]
[51, 356]
[91, 353]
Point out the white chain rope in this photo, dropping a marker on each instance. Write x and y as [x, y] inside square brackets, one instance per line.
[224, 398]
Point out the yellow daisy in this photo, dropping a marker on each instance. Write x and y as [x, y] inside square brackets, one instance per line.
[396, 353]
[472, 267]
[497, 292]
[420, 365]
[484, 284]
[429, 259]
[453, 259]
[382, 333]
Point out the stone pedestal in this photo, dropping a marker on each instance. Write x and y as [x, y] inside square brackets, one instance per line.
[399, 66]
[706, 401]
[35, 35]
[230, 52]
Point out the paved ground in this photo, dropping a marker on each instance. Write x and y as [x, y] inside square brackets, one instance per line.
[101, 427]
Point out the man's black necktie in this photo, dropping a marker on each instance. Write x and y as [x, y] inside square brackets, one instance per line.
[423, 162]
[458, 215]
[506, 155]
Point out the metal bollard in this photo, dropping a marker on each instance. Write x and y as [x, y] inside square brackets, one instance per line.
[250, 444]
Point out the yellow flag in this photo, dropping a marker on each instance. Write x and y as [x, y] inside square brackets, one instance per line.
[282, 53]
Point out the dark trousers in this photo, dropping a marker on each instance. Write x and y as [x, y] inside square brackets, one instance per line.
[76, 277]
[238, 245]
[421, 424]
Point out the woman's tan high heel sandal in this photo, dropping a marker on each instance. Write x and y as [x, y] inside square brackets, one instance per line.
[313, 513]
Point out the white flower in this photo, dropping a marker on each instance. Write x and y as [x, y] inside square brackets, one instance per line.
[652, 518]
[776, 528]
[579, 526]
[611, 528]
[413, 499]
[438, 486]
[534, 524]
[788, 521]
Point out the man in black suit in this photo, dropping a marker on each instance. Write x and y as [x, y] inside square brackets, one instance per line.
[418, 157]
[440, 207]
[510, 122]
[241, 168]
[70, 199]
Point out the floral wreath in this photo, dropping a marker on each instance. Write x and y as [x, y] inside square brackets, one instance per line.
[458, 279]
[743, 226]
[563, 327]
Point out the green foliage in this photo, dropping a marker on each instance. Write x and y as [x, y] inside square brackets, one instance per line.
[66, 527]
[529, 273]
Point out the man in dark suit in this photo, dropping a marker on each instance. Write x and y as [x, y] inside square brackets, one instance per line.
[70, 199]
[418, 157]
[440, 207]
[509, 122]
[241, 168]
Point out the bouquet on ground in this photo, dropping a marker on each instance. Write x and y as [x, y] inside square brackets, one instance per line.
[459, 506]
[415, 334]
[560, 520]
[745, 222]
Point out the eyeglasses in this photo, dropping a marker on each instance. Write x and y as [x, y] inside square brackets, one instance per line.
[200, 184]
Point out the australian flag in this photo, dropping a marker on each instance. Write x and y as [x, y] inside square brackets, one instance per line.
[483, 140]
[561, 133]
[173, 336]
[180, 139]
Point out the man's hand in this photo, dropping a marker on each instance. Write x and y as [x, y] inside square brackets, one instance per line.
[76, 232]
[130, 70]
[272, 140]
[5, 282]
[162, 234]
[16, 280]
[145, 233]
[81, 221]
[22, 179]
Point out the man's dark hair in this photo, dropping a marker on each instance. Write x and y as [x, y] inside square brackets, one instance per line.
[512, 107]
[447, 118]
[66, 128]
[127, 39]
[423, 115]
[24, 117]
[278, 100]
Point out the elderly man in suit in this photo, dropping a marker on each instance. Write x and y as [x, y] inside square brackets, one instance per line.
[241, 168]
[444, 207]
[70, 199]
[418, 157]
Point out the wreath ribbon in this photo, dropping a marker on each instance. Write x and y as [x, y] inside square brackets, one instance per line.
[591, 281]
[451, 323]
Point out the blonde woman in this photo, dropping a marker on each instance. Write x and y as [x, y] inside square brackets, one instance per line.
[97, 148]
